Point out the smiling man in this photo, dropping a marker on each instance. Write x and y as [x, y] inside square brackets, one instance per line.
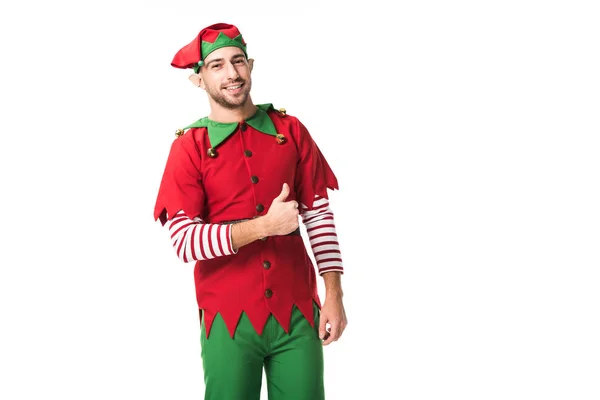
[235, 187]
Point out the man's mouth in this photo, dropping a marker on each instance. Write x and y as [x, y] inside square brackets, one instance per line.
[234, 87]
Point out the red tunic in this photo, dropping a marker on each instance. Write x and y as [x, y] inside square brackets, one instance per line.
[268, 276]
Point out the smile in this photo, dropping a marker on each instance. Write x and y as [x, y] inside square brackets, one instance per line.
[234, 87]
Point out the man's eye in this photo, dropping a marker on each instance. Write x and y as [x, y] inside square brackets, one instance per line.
[240, 61]
[215, 66]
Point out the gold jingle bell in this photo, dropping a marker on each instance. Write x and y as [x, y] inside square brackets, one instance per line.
[179, 132]
[212, 153]
[282, 111]
[280, 138]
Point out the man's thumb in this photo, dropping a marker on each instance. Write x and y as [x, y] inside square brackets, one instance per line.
[322, 326]
[285, 191]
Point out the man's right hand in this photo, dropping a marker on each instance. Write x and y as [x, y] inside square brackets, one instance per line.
[282, 217]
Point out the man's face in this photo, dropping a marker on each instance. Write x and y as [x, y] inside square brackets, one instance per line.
[226, 77]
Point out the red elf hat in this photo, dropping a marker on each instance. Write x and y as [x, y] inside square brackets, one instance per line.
[208, 40]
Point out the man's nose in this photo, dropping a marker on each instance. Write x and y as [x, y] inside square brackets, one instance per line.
[232, 72]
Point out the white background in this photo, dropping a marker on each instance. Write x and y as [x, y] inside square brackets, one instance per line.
[465, 139]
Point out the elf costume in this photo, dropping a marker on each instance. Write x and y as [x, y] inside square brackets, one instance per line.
[259, 305]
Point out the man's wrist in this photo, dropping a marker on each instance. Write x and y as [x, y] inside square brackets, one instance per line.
[334, 294]
[262, 226]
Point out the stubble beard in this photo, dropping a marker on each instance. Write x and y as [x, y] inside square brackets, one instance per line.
[231, 103]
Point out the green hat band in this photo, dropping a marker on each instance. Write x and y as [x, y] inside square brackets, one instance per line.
[222, 41]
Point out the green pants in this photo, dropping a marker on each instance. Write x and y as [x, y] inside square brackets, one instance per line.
[293, 362]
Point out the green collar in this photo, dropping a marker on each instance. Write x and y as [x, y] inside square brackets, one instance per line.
[219, 131]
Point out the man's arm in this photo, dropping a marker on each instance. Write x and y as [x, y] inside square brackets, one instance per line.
[333, 285]
[195, 240]
[320, 227]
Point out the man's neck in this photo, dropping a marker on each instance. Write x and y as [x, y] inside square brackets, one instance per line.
[219, 113]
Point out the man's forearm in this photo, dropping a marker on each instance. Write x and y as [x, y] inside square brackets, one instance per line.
[247, 232]
[333, 284]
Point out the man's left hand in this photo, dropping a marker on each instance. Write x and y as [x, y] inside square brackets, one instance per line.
[332, 313]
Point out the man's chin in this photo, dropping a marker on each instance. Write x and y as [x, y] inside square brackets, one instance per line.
[233, 103]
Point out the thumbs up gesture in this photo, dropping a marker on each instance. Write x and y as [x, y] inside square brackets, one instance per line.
[282, 217]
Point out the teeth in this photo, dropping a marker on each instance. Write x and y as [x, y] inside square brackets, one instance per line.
[234, 87]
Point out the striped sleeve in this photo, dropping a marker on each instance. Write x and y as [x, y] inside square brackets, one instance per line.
[320, 228]
[195, 240]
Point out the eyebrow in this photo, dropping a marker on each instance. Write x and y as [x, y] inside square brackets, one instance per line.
[213, 61]
[237, 56]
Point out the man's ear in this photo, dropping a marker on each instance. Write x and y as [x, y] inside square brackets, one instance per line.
[251, 63]
[196, 80]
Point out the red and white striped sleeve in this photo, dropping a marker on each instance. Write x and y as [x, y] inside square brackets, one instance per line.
[195, 240]
[320, 228]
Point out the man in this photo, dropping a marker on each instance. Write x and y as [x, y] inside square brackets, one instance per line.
[234, 187]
